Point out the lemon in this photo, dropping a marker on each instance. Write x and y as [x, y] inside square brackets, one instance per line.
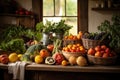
[19, 56]
[38, 59]
[13, 57]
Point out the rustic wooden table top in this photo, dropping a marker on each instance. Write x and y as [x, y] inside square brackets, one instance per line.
[90, 68]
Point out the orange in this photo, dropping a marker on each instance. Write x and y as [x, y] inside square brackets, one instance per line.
[44, 53]
[64, 63]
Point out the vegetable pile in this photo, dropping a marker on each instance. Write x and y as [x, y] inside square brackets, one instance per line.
[13, 38]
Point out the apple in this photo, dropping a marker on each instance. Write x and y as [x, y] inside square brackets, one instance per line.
[3, 55]
[105, 55]
[102, 51]
[103, 47]
[4, 60]
[107, 50]
[91, 51]
[98, 54]
[97, 48]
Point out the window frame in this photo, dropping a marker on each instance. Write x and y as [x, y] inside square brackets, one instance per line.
[82, 13]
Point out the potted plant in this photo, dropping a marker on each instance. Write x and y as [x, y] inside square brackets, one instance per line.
[60, 28]
[45, 31]
[112, 29]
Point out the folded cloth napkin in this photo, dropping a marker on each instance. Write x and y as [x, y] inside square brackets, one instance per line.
[17, 69]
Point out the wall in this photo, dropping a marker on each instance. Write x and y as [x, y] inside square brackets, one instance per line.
[96, 17]
[27, 4]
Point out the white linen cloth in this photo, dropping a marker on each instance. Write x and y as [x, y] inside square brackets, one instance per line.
[17, 69]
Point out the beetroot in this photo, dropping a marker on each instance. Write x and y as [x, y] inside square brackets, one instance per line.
[58, 58]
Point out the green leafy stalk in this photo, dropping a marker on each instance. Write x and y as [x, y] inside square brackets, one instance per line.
[57, 45]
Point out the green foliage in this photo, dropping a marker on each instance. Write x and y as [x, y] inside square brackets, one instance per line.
[58, 27]
[12, 32]
[44, 28]
[113, 29]
[13, 38]
[61, 27]
[14, 45]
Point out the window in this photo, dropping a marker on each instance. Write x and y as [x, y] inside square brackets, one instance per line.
[55, 10]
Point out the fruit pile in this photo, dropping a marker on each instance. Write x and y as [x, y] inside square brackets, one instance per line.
[12, 57]
[74, 48]
[101, 51]
[54, 53]
[73, 39]
[74, 53]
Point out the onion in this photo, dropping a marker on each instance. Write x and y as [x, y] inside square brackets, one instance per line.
[72, 60]
[81, 61]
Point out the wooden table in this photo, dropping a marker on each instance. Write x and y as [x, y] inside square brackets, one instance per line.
[58, 72]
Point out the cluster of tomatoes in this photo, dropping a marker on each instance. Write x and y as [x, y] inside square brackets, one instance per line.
[74, 48]
[74, 37]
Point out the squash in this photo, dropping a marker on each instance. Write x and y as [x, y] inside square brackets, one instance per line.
[32, 51]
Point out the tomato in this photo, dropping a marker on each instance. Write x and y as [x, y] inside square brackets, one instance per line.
[50, 47]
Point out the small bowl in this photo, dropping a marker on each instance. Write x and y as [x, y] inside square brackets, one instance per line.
[76, 54]
[101, 61]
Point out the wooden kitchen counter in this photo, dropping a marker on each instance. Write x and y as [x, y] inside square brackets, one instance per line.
[90, 68]
[58, 72]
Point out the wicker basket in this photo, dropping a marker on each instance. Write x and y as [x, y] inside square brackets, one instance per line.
[101, 61]
[66, 42]
[88, 43]
[76, 54]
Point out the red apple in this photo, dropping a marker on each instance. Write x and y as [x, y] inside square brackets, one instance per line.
[4, 60]
[102, 51]
[3, 55]
[103, 47]
[105, 55]
[97, 48]
[91, 51]
[107, 50]
[98, 54]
